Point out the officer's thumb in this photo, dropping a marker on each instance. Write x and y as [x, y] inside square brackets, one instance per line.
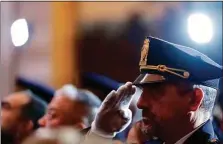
[127, 118]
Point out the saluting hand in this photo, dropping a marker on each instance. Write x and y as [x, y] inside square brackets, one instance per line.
[114, 114]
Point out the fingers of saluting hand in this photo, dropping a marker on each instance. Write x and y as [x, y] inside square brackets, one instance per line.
[125, 100]
[110, 100]
[120, 98]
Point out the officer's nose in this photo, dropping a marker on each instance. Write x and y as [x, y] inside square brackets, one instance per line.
[42, 121]
[143, 103]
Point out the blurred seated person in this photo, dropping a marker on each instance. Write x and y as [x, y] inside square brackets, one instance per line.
[71, 107]
[20, 113]
[62, 135]
[218, 121]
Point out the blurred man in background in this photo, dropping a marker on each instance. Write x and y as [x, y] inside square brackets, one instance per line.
[62, 135]
[71, 107]
[20, 113]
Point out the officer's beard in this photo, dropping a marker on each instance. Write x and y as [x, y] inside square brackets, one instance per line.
[6, 137]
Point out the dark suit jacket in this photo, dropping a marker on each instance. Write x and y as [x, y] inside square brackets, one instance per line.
[204, 135]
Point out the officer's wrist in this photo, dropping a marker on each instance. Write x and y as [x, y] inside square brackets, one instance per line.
[101, 133]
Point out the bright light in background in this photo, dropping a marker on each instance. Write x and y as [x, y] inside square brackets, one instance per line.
[19, 32]
[200, 28]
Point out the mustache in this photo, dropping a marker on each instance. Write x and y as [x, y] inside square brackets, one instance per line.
[148, 114]
[148, 117]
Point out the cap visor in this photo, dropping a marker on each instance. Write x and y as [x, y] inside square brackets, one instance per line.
[148, 78]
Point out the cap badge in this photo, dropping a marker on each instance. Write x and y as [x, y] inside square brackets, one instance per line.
[144, 52]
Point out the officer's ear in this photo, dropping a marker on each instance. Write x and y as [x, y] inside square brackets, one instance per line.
[196, 99]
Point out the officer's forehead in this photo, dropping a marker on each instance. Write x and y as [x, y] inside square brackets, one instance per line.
[166, 84]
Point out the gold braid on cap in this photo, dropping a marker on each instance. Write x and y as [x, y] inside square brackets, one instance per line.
[163, 68]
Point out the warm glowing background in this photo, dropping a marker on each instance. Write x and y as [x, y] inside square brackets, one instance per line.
[68, 39]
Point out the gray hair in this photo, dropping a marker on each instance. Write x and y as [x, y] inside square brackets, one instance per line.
[84, 96]
[208, 101]
[67, 90]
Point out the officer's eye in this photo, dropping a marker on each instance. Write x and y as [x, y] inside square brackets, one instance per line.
[155, 91]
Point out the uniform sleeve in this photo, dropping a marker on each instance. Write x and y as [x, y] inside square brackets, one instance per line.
[92, 138]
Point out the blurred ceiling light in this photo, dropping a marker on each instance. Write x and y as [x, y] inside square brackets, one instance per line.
[19, 32]
[200, 28]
